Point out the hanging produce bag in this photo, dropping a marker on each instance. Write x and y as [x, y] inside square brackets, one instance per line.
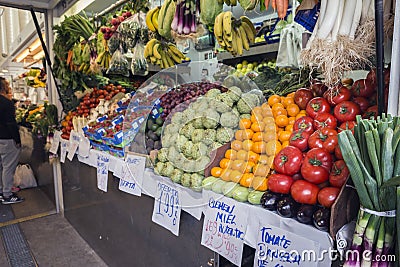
[290, 47]
[119, 65]
[139, 64]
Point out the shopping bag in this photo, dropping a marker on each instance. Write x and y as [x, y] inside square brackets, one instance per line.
[24, 177]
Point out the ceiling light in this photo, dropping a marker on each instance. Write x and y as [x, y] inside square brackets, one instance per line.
[39, 55]
[22, 56]
[4, 70]
[1, 74]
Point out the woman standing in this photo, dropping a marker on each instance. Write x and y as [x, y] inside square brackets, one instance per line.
[10, 144]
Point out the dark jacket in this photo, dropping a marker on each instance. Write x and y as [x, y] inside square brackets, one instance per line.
[8, 124]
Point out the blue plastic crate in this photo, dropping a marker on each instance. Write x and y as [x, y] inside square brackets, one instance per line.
[308, 18]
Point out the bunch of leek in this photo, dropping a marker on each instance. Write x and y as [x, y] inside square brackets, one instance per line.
[372, 155]
[184, 21]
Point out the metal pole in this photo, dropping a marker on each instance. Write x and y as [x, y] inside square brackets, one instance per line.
[380, 55]
[394, 85]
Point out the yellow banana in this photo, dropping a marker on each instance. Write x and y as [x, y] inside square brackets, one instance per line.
[154, 18]
[227, 25]
[153, 59]
[176, 51]
[164, 60]
[174, 57]
[156, 52]
[243, 35]
[218, 30]
[169, 59]
[239, 43]
[249, 23]
[149, 47]
[149, 22]
[234, 43]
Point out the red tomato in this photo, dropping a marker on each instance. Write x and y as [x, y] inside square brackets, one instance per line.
[347, 125]
[327, 196]
[346, 111]
[325, 120]
[362, 102]
[288, 160]
[304, 124]
[280, 183]
[304, 192]
[371, 112]
[339, 173]
[363, 87]
[317, 105]
[318, 88]
[316, 165]
[338, 153]
[297, 176]
[371, 76]
[324, 138]
[337, 94]
[302, 96]
[299, 139]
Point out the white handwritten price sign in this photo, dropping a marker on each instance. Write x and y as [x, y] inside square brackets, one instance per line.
[103, 162]
[167, 206]
[132, 175]
[84, 147]
[224, 227]
[74, 140]
[64, 148]
[280, 248]
[55, 143]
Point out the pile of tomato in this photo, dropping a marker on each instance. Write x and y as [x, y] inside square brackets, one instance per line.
[310, 172]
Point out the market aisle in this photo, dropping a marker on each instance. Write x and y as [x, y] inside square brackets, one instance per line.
[54, 242]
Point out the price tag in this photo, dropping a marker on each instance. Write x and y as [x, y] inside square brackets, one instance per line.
[119, 169]
[74, 140]
[133, 175]
[55, 143]
[192, 202]
[167, 206]
[64, 148]
[84, 147]
[103, 162]
[280, 248]
[224, 227]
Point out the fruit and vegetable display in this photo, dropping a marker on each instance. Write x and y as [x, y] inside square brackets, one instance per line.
[41, 118]
[163, 54]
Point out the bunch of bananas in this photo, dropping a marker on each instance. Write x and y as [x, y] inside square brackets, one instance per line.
[233, 34]
[85, 68]
[152, 19]
[103, 59]
[163, 54]
[228, 2]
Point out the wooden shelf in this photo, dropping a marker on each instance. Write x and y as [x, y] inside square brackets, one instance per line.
[255, 50]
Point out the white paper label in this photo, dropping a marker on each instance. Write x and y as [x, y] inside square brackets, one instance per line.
[74, 140]
[103, 162]
[84, 147]
[64, 148]
[167, 206]
[55, 143]
[132, 179]
[280, 248]
[192, 202]
[224, 227]
[72, 150]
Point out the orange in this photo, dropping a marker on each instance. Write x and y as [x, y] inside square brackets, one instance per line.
[235, 176]
[224, 163]
[258, 126]
[282, 120]
[292, 120]
[303, 111]
[284, 136]
[286, 101]
[230, 154]
[248, 134]
[285, 143]
[279, 111]
[263, 159]
[255, 117]
[216, 171]
[259, 183]
[300, 115]
[225, 174]
[247, 144]
[289, 128]
[266, 110]
[270, 127]
[292, 109]
[268, 120]
[239, 135]
[273, 99]
[253, 156]
[246, 179]
[291, 95]
[242, 154]
[257, 111]
[277, 106]
[261, 170]
[244, 124]
[236, 145]
[259, 147]
[269, 135]
[248, 166]
[257, 136]
[272, 147]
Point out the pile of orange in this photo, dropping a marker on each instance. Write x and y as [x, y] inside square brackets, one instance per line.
[257, 141]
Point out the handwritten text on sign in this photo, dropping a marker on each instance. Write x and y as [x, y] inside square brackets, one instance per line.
[280, 248]
[167, 207]
[224, 228]
[103, 162]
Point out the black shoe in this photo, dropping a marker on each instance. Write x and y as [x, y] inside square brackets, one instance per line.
[1, 198]
[12, 199]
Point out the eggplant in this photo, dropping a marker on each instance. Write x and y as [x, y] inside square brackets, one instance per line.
[287, 207]
[305, 213]
[321, 218]
[269, 200]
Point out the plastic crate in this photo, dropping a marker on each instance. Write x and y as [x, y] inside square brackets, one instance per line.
[308, 18]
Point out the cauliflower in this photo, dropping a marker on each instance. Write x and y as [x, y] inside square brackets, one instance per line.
[177, 118]
[159, 167]
[197, 135]
[211, 119]
[187, 149]
[176, 176]
[226, 103]
[197, 123]
[171, 128]
[196, 181]
[224, 135]
[212, 93]
[162, 155]
[234, 93]
[187, 130]
[180, 142]
[209, 136]
[185, 179]
[247, 103]
[229, 119]
[167, 170]
[198, 150]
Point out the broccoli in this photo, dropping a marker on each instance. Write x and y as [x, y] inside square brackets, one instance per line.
[185, 179]
[212, 93]
[229, 119]
[226, 103]
[187, 149]
[209, 136]
[187, 130]
[176, 176]
[224, 135]
[197, 135]
[234, 93]
[196, 181]
[162, 155]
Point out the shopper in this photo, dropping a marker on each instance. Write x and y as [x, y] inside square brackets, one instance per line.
[10, 144]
